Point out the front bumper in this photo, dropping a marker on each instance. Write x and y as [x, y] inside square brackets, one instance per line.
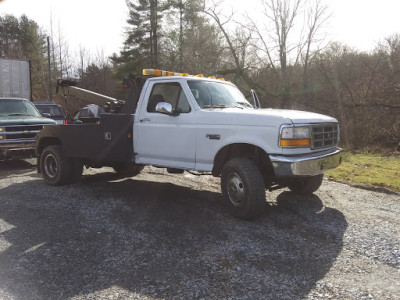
[15, 150]
[306, 165]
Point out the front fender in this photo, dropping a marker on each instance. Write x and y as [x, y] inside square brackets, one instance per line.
[211, 141]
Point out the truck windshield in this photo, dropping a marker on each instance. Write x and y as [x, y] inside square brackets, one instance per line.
[17, 107]
[210, 94]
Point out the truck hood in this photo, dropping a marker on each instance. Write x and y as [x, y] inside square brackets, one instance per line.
[265, 117]
[24, 120]
[295, 116]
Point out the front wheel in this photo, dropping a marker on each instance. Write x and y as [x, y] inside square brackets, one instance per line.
[243, 188]
[306, 185]
[55, 167]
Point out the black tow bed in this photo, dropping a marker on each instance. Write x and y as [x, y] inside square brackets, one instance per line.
[109, 141]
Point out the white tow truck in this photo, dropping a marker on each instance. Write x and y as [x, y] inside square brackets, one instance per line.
[182, 122]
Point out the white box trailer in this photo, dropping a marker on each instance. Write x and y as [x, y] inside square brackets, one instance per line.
[15, 78]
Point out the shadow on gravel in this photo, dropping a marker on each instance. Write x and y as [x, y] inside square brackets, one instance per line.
[132, 238]
[15, 167]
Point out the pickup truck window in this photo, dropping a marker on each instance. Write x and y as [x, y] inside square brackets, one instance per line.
[17, 107]
[170, 92]
[53, 110]
[217, 95]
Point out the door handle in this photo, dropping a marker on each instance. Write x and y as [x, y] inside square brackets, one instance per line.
[144, 120]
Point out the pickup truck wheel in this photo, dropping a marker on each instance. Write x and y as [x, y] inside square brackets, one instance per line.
[55, 167]
[243, 188]
[306, 185]
[128, 170]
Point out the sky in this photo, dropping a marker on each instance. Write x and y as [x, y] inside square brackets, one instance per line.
[99, 25]
[86, 23]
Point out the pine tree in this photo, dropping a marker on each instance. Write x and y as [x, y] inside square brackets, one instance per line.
[184, 15]
[171, 35]
[190, 43]
[141, 47]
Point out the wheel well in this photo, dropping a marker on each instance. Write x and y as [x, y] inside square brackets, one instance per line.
[254, 153]
[44, 142]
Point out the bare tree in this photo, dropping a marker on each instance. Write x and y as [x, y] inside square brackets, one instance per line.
[364, 94]
[238, 45]
[316, 16]
[215, 12]
[332, 65]
[291, 40]
[84, 60]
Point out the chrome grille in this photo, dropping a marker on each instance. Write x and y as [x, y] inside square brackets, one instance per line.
[324, 135]
[20, 132]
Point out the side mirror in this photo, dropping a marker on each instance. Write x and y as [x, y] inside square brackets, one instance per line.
[46, 115]
[256, 101]
[165, 108]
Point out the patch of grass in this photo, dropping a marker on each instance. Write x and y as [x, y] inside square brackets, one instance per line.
[368, 169]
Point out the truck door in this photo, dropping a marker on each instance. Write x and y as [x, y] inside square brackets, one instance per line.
[161, 139]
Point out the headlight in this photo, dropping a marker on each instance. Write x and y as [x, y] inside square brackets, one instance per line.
[2, 129]
[292, 136]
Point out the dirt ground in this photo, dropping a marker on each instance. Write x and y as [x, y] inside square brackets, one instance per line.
[163, 236]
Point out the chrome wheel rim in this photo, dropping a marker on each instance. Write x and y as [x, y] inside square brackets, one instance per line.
[50, 166]
[236, 190]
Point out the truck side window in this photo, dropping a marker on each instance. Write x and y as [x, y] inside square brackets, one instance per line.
[170, 92]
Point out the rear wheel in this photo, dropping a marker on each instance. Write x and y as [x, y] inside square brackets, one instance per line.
[243, 188]
[306, 185]
[55, 167]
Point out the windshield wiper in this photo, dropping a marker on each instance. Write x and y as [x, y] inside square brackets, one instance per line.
[216, 106]
[236, 105]
[245, 104]
[17, 114]
[233, 105]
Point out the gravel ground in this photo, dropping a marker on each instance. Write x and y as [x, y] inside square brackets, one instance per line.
[162, 236]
